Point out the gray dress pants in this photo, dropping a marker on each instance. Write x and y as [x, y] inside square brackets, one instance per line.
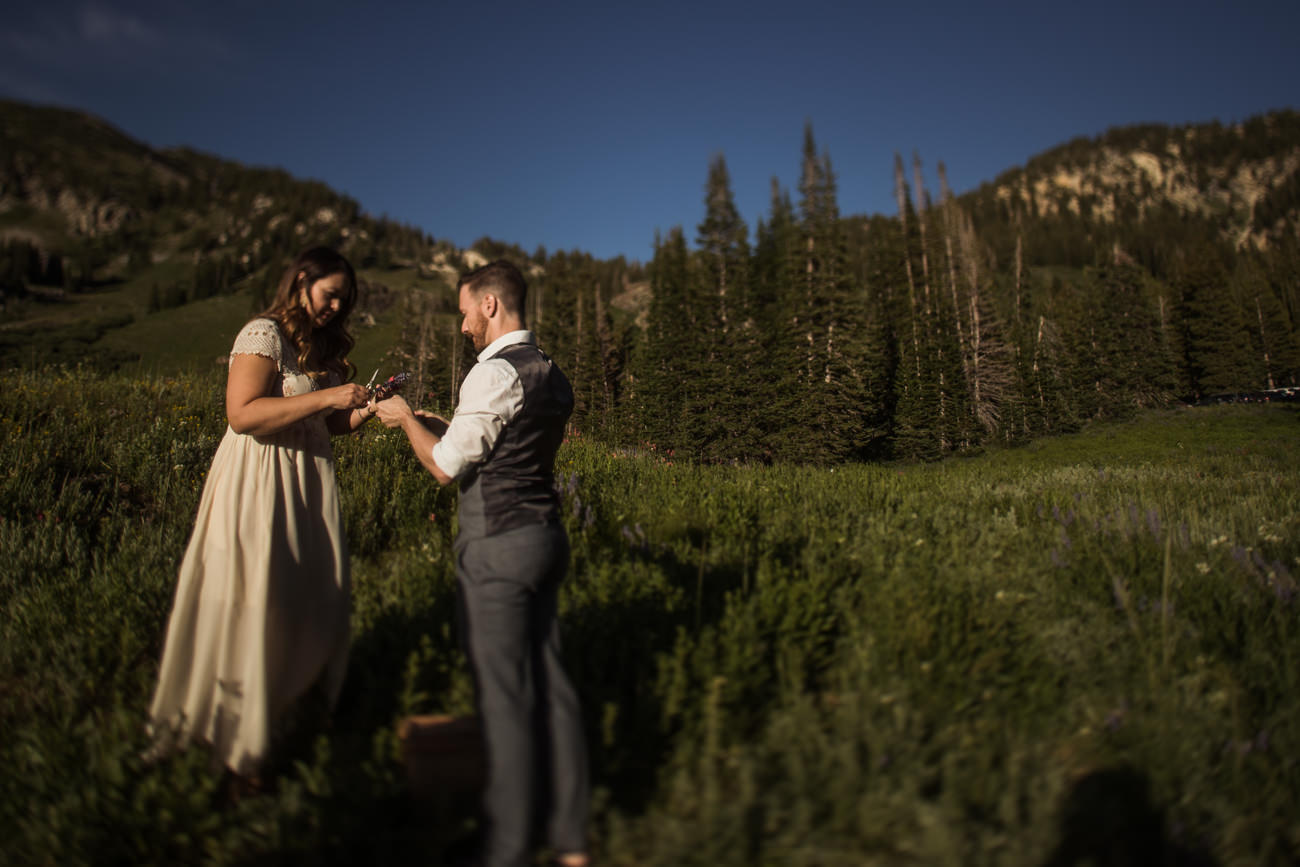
[536, 756]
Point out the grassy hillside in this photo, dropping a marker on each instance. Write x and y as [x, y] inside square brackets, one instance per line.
[106, 244]
[1085, 648]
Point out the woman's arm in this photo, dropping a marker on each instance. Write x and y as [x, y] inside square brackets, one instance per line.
[251, 409]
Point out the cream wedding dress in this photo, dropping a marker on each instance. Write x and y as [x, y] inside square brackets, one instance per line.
[262, 602]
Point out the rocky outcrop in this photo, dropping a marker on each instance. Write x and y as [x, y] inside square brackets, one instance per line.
[1104, 181]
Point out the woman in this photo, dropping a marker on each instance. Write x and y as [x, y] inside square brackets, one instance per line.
[262, 603]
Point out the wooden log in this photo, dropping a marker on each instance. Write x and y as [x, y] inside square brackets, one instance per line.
[443, 756]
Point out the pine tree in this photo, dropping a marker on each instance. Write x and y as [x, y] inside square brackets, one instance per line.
[773, 302]
[665, 360]
[1274, 343]
[731, 429]
[1215, 332]
[827, 321]
[917, 415]
[1134, 369]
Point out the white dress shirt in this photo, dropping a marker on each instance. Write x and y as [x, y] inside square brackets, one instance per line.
[490, 397]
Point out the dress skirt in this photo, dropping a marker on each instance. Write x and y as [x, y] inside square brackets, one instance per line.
[263, 597]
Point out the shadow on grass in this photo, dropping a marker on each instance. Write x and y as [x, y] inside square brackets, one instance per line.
[613, 650]
[1108, 818]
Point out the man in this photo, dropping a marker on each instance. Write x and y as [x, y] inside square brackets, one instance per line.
[511, 554]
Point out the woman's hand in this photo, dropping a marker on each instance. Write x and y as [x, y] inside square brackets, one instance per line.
[350, 396]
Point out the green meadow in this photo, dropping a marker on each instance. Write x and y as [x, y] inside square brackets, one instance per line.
[1082, 651]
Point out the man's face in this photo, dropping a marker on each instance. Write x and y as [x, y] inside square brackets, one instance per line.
[475, 324]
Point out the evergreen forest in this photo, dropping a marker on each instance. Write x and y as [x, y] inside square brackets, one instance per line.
[1147, 266]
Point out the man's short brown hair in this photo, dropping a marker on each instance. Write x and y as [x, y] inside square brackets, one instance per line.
[503, 280]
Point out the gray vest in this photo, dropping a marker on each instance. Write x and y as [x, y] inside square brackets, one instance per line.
[515, 486]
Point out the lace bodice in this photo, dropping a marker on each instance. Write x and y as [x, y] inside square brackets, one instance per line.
[263, 337]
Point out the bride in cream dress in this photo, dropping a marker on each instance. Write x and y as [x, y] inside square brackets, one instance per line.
[263, 598]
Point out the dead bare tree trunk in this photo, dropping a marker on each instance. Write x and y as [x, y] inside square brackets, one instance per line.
[606, 353]
[1263, 342]
[455, 362]
[900, 192]
[920, 199]
[538, 292]
[968, 262]
[1038, 378]
[422, 349]
[577, 351]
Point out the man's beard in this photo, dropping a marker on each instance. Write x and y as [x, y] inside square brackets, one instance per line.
[478, 337]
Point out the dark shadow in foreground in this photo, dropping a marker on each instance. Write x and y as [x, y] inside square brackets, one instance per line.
[1108, 819]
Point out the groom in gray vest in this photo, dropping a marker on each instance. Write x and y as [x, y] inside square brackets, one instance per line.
[511, 554]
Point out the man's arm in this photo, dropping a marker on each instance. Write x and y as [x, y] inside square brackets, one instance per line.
[396, 412]
[490, 397]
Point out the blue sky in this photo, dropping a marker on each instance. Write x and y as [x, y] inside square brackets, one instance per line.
[590, 125]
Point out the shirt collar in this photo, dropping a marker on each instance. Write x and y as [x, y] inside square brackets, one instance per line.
[509, 339]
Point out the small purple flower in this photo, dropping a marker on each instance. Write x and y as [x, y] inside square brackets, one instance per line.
[1285, 592]
[1115, 719]
[1058, 560]
[1153, 523]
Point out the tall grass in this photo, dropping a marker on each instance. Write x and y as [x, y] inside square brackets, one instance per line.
[1083, 649]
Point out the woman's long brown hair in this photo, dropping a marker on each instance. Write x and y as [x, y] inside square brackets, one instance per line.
[320, 350]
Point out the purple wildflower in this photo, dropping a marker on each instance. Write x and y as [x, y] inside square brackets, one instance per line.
[1153, 523]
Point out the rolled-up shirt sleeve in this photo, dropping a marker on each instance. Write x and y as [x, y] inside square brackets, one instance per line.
[490, 398]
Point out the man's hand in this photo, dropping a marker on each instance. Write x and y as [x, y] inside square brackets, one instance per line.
[423, 429]
[394, 411]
